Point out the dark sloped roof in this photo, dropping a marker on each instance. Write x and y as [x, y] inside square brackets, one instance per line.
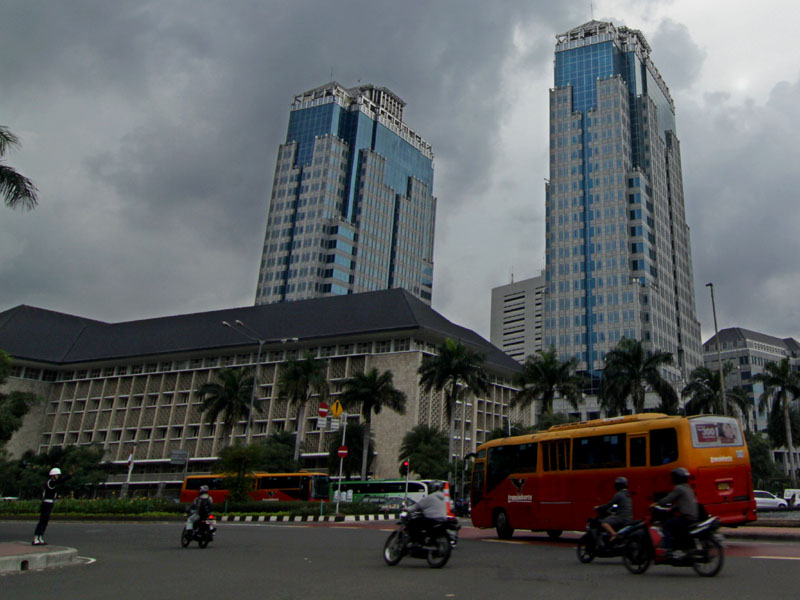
[732, 334]
[41, 335]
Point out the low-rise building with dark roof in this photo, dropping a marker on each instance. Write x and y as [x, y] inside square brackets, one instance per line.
[131, 386]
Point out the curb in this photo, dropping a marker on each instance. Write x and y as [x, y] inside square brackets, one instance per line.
[304, 518]
[17, 557]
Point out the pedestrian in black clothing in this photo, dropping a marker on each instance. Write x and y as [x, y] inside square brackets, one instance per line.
[55, 479]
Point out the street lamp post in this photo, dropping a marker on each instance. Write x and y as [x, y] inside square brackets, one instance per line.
[719, 356]
[261, 343]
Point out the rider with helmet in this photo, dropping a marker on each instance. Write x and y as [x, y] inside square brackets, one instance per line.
[683, 499]
[624, 509]
[201, 507]
[432, 510]
[49, 495]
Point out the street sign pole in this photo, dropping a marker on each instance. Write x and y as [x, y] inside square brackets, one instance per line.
[341, 463]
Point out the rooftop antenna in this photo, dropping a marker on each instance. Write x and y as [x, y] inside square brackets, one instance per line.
[512, 272]
[591, 9]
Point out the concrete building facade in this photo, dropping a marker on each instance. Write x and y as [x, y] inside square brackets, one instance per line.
[132, 387]
[352, 206]
[517, 315]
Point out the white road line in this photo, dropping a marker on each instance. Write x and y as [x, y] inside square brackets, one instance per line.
[777, 557]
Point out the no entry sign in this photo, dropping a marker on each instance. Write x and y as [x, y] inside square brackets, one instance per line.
[342, 452]
[323, 410]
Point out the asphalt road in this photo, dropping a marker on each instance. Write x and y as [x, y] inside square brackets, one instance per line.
[144, 560]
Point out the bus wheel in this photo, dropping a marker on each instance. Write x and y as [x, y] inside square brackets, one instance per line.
[503, 527]
[554, 534]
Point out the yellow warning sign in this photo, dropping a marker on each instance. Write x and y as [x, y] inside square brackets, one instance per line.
[336, 409]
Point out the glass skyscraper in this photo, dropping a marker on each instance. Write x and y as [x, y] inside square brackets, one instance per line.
[618, 258]
[352, 206]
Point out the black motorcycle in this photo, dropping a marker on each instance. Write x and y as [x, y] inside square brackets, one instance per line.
[595, 543]
[702, 549]
[201, 532]
[433, 543]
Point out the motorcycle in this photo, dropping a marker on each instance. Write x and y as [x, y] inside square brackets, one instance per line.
[595, 544]
[435, 543]
[703, 551]
[202, 532]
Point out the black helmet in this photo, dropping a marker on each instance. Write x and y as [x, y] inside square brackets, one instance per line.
[203, 489]
[621, 483]
[680, 475]
[435, 486]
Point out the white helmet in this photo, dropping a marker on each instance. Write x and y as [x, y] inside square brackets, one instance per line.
[54, 471]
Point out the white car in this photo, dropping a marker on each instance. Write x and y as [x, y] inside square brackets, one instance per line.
[767, 501]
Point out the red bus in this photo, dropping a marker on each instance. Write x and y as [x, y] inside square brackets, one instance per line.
[551, 480]
[264, 486]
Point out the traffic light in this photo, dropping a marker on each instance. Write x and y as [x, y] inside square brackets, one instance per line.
[404, 468]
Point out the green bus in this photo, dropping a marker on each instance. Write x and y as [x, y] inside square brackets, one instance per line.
[381, 491]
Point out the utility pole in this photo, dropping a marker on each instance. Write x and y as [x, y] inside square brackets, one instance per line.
[719, 355]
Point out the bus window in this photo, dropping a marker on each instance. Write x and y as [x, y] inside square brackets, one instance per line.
[555, 455]
[526, 458]
[600, 452]
[501, 464]
[639, 451]
[710, 432]
[663, 446]
[478, 473]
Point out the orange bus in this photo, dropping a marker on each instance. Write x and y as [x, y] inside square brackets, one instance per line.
[264, 486]
[551, 480]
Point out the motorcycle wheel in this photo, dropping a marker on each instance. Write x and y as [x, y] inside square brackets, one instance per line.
[502, 526]
[636, 555]
[186, 538]
[438, 557]
[710, 561]
[203, 541]
[586, 549]
[393, 548]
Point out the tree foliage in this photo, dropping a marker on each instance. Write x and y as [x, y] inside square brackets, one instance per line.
[766, 474]
[543, 376]
[14, 405]
[17, 191]
[26, 476]
[426, 449]
[515, 429]
[228, 397]
[298, 380]
[628, 370]
[371, 392]
[353, 439]
[454, 370]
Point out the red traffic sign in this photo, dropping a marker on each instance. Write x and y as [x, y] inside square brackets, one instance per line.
[323, 410]
[342, 452]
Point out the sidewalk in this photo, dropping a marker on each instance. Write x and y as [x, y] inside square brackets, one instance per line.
[22, 556]
[763, 532]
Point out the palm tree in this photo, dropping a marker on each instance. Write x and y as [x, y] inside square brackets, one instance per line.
[628, 368]
[454, 370]
[705, 395]
[229, 396]
[543, 376]
[16, 190]
[782, 386]
[371, 392]
[298, 381]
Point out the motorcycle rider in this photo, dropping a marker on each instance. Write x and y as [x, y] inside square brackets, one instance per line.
[201, 507]
[432, 510]
[624, 512]
[685, 502]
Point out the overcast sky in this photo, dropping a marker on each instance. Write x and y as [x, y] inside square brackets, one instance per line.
[151, 130]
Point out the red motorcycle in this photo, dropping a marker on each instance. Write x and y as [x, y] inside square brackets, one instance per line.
[702, 551]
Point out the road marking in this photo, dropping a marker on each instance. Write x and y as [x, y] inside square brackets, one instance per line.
[88, 559]
[506, 541]
[777, 557]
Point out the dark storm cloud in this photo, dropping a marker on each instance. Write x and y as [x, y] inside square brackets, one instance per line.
[678, 57]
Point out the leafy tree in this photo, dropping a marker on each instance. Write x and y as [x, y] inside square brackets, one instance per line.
[628, 369]
[229, 396]
[547, 421]
[454, 370]
[14, 405]
[705, 394]
[298, 380]
[239, 462]
[17, 191]
[766, 474]
[26, 476]
[353, 438]
[426, 449]
[501, 432]
[371, 392]
[776, 427]
[278, 451]
[781, 386]
[543, 376]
